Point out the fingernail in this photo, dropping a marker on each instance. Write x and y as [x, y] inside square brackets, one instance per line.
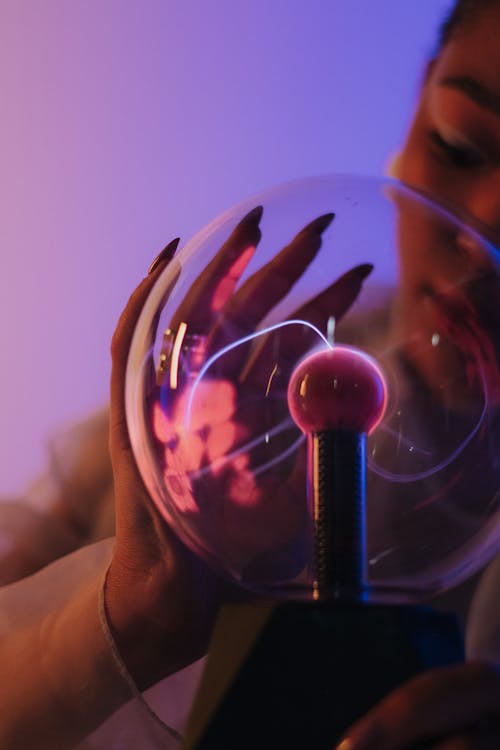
[254, 216]
[165, 256]
[345, 744]
[362, 736]
[321, 223]
[364, 270]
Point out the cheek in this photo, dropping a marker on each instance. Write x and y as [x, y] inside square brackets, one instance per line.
[418, 168]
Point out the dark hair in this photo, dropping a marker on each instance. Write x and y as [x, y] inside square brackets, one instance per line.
[461, 14]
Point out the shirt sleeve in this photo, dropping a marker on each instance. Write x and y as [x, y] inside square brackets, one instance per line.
[68, 506]
[77, 487]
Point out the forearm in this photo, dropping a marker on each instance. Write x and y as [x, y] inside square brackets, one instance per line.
[59, 677]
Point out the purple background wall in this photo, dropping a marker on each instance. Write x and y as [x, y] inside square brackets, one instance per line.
[125, 123]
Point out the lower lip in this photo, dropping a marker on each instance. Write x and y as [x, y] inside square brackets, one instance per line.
[448, 314]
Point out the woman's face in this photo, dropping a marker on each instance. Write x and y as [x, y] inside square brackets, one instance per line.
[449, 284]
[453, 146]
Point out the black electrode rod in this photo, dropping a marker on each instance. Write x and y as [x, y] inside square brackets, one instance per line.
[337, 464]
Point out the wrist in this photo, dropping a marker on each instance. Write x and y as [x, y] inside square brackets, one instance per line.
[158, 626]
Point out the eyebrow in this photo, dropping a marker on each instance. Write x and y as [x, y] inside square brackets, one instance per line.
[476, 91]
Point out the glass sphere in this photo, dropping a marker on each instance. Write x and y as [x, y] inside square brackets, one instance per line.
[332, 260]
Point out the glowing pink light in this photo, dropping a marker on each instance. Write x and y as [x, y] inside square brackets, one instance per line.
[226, 285]
[340, 388]
[163, 428]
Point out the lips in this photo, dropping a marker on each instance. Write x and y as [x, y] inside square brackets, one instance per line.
[458, 321]
[453, 313]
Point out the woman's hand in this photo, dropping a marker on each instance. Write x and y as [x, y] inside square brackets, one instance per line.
[452, 708]
[161, 598]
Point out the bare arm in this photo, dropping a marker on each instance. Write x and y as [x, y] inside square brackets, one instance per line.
[59, 679]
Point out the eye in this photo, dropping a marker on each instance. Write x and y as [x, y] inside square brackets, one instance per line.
[458, 154]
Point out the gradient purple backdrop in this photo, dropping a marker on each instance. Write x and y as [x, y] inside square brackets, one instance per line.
[128, 122]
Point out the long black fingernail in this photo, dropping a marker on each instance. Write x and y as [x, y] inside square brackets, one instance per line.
[254, 216]
[364, 270]
[165, 256]
[321, 223]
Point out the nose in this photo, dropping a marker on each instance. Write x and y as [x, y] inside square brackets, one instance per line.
[483, 203]
[474, 252]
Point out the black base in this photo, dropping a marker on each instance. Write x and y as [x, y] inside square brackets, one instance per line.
[316, 668]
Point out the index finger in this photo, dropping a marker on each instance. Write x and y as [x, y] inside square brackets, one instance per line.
[267, 287]
[215, 284]
[270, 284]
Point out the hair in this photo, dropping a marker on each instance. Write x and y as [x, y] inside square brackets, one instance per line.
[459, 17]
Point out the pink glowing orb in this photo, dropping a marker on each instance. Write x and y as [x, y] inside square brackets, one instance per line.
[337, 389]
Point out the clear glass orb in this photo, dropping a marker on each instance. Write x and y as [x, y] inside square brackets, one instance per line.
[392, 274]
